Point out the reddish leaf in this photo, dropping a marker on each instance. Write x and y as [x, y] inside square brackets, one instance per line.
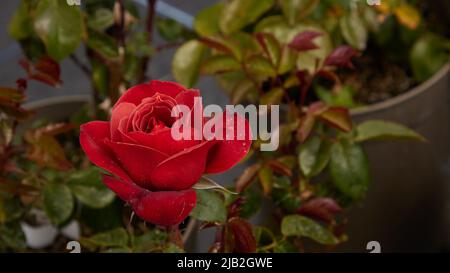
[45, 150]
[320, 208]
[304, 41]
[16, 188]
[241, 231]
[279, 168]
[46, 70]
[342, 57]
[247, 177]
[337, 117]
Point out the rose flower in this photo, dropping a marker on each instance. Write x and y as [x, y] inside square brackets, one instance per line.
[149, 169]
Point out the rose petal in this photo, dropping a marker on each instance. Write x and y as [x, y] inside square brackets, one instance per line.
[139, 161]
[187, 97]
[169, 88]
[182, 170]
[162, 141]
[137, 93]
[126, 191]
[164, 208]
[227, 153]
[122, 111]
[92, 137]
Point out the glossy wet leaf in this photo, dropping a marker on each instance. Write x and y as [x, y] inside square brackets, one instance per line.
[186, 62]
[210, 207]
[354, 30]
[60, 27]
[314, 156]
[219, 64]
[297, 225]
[238, 14]
[87, 186]
[58, 202]
[206, 22]
[384, 130]
[349, 169]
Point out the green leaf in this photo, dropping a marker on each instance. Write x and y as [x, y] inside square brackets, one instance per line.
[314, 156]
[101, 20]
[219, 64]
[260, 66]
[12, 235]
[354, 30]
[58, 202]
[265, 176]
[173, 248]
[20, 26]
[210, 207]
[186, 62]
[206, 22]
[150, 241]
[87, 186]
[427, 56]
[59, 26]
[349, 169]
[384, 130]
[206, 183]
[169, 29]
[273, 97]
[297, 9]
[103, 44]
[114, 238]
[342, 98]
[297, 225]
[271, 47]
[238, 14]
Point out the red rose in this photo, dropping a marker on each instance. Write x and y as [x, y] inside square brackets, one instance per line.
[152, 171]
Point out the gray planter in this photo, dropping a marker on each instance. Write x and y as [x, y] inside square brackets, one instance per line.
[407, 205]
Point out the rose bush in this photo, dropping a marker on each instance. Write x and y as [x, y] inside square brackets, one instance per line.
[151, 170]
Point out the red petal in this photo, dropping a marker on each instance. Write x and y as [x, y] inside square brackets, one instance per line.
[187, 97]
[92, 137]
[164, 208]
[125, 190]
[162, 141]
[139, 161]
[137, 93]
[182, 170]
[227, 153]
[120, 112]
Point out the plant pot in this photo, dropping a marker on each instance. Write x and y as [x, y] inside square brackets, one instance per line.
[406, 207]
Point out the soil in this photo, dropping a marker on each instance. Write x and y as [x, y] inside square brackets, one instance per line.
[376, 80]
